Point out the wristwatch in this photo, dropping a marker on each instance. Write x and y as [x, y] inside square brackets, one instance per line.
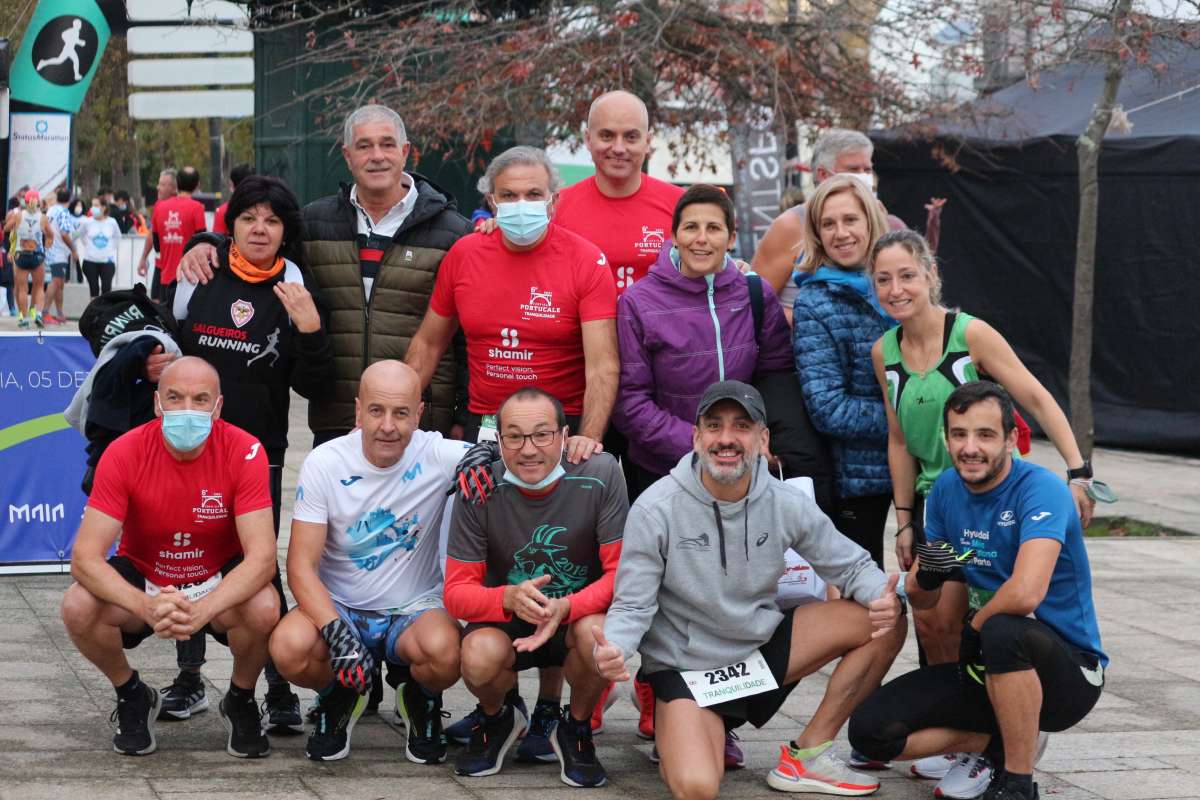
[1081, 472]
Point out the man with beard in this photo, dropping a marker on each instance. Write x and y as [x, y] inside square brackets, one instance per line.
[695, 595]
[1030, 658]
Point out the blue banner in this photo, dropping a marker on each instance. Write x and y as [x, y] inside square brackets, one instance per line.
[42, 459]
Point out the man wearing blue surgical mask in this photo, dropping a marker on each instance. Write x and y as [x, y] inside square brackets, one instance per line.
[537, 304]
[532, 573]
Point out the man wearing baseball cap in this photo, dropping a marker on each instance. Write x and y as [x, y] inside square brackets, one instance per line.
[695, 596]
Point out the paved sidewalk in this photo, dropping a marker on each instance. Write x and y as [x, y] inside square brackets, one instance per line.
[1140, 743]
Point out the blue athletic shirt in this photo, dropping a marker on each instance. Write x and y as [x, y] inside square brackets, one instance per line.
[1031, 503]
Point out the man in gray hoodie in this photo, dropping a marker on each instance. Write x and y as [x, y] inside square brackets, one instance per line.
[695, 595]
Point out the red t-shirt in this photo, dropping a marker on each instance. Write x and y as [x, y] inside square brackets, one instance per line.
[522, 313]
[219, 219]
[179, 516]
[630, 230]
[174, 220]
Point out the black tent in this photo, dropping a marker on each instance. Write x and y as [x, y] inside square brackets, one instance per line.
[1008, 236]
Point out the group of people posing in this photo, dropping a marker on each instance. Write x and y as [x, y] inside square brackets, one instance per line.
[613, 402]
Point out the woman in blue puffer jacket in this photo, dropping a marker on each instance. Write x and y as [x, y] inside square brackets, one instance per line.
[837, 318]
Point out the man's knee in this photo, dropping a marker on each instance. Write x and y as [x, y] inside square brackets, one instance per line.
[292, 643]
[439, 646]
[260, 614]
[872, 733]
[580, 636]
[80, 609]
[693, 784]
[1007, 643]
[484, 654]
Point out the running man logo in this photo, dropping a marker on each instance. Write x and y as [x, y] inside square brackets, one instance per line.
[65, 50]
[38, 512]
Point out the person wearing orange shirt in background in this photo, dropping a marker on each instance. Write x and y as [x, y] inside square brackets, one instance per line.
[236, 176]
[176, 217]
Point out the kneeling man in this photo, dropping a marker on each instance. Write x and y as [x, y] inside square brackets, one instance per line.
[188, 495]
[696, 596]
[1030, 657]
[532, 572]
[363, 564]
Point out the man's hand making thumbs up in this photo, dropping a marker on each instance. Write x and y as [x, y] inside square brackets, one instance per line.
[885, 611]
[610, 661]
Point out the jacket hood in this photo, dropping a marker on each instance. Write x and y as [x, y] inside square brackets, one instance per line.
[664, 270]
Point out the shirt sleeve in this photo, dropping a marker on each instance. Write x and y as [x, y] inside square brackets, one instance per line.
[311, 504]
[110, 493]
[447, 453]
[465, 596]
[200, 223]
[598, 290]
[253, 483]
[442, 301]
[1046, 510]
[614, 507]
[935, 523]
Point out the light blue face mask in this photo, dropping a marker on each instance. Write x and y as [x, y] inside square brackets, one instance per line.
[523, 221]
[186, 430]
[554, 475]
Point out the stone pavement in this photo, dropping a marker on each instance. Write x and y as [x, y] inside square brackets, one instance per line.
[1141, 742]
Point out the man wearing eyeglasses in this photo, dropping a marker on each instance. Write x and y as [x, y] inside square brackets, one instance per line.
[532, 572]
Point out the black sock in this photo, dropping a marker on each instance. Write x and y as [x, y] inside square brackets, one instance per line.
[240, 694]
[549, 701]
[127, 689]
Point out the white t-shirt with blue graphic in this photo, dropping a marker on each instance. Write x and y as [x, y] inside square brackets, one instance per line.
[63, 221]
[1031, 503]
[381, 546]
[100, 237]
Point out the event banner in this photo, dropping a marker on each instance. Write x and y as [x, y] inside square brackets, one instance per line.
[59, 54]
[42, 460]
[39, 151]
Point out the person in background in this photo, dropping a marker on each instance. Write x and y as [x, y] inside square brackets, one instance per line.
[99, 235]
[236, 176]
[175, 219]
[58, 254]
[31, 230]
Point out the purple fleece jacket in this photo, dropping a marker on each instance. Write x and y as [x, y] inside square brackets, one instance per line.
[671, 353]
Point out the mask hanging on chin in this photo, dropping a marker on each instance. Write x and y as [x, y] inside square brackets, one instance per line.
[185, 430]
[524, 221]
[555, 474]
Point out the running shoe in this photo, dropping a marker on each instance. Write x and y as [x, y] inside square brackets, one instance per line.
[999, 789]
[490, 741]
[607, 698]
[336, 715]
[822, 773]
[422, 717]
[858, 761]
[281, 712]
[460, 732]
[643, 700]
[535, 746]
[244, 723]
[734, 757]
[37, 319]
[572, 741]
[933, 767]
[135, 722]
[21, 321]
[184, 697]
[967, 779]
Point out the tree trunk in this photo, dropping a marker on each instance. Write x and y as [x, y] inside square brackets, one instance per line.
[1088, 151]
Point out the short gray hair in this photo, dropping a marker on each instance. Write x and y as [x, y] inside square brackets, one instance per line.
[521, 155]
[832, 143]
[373, 113]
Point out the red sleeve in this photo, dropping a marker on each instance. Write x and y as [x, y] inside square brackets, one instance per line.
[595, 598]
[598, 288]
[199, 222]
[109, 491]
[219, 219]
[466, 597]
[253, 475]
[442, 301]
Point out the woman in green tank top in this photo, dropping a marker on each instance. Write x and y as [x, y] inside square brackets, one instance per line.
[918, 364]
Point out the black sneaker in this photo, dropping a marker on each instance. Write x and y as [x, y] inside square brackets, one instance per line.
[572, 742]
[184, 697]
[244, 723]
[535, 747]
[282, 713]
[460, 732]
[422, 718]
[336, 715]
[490, 740]
[135, 722]
[999, 789]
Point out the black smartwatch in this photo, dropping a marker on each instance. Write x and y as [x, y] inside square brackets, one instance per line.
[1081, 472]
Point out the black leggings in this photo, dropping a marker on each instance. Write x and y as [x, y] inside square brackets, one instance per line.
[862, 520]
[937, 697]
[99, 276]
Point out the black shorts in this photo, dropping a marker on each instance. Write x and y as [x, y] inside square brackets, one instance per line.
[552, 654]
[129, 571]
[29, 260]
[756, 709]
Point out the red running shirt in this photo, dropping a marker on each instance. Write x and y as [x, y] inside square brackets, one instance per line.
[630, 230]
[179, 516]
[522, 313]
[173, 221]
[219, 219]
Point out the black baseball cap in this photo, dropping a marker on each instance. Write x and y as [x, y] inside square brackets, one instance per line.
[743, 394]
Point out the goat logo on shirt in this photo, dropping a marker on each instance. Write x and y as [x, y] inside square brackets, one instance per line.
[543, 556]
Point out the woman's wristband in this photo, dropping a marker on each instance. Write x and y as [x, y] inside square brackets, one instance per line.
[903, 528]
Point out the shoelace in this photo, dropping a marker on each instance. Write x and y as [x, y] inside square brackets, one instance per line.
[980, 765]
[123, 715]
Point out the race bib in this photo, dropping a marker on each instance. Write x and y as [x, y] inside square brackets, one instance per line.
[732, 682]
[487, 429]
[192, 591]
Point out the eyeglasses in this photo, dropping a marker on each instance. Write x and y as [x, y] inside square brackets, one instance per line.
[515, 441]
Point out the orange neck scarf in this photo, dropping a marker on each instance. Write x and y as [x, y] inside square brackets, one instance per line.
[247, 271]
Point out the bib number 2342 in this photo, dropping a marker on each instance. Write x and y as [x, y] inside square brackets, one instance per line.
[731, 682]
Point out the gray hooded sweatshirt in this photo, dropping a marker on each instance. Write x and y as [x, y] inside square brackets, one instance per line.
[698, 577]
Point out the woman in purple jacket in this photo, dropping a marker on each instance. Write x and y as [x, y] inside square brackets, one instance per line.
[685, 326]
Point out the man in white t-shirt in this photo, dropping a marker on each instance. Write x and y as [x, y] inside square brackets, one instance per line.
[365, 569]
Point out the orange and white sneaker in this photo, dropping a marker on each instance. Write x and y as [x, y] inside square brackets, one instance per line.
[819, 771]
[643, 699]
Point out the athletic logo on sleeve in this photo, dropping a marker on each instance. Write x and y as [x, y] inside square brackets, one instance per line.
[253, 451]
[1039, 516]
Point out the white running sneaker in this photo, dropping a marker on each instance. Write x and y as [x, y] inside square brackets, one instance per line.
[967, 779]
[933, 767]
[823, 773]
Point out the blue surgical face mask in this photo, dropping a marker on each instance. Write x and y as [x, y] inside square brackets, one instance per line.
[186, 430]
[523, 221]
[554, 475]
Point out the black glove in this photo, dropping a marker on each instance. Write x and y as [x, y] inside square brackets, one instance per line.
[939, 563]
[350, 659]
[971, 670]
[473, 475]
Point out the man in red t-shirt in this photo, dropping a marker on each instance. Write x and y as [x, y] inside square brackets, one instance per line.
[621, 210]
[236, 176]
[187, 494]
[537, 305]
[175, 218]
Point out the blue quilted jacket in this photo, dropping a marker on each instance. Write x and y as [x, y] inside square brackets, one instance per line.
[834, 328]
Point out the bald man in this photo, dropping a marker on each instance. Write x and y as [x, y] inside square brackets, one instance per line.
[187, 493]
[365, 568]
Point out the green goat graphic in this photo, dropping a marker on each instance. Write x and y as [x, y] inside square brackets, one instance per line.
[541, 557]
